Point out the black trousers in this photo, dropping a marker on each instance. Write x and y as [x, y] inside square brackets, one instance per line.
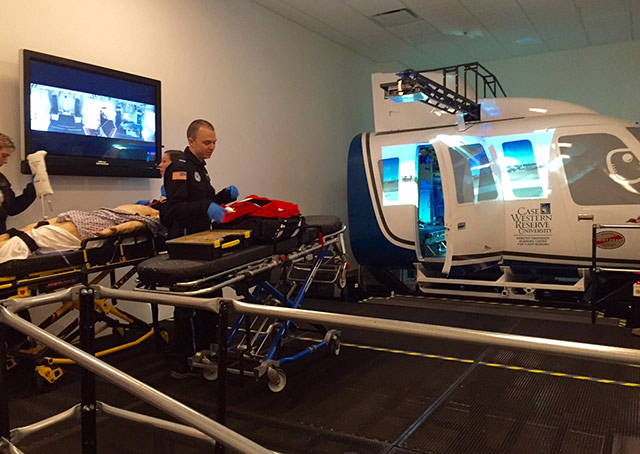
[194, 330]
[15, 338]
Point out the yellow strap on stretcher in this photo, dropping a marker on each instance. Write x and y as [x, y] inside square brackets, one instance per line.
[86, 259]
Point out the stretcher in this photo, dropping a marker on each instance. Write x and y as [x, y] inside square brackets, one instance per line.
[277, 274]
[96, 260]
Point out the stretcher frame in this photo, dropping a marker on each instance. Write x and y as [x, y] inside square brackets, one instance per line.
[254, 345]
[121, 248]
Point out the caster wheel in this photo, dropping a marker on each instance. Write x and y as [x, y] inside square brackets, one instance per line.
[277, 379]
[334, 345]
[342, 279]
[42, 385]
[211, 372]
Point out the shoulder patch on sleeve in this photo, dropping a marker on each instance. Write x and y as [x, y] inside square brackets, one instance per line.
[179, 175]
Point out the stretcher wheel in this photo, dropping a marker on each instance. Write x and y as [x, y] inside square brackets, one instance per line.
[164, 335]
[334, 345]
[277, 379]
[210, 372]
[342, 278]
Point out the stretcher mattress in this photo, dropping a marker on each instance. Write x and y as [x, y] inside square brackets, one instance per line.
[164, 271]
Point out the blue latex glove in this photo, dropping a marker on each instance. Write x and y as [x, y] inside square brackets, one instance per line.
[163, 193]
[215, 212]
[233, 192]
[143, 202]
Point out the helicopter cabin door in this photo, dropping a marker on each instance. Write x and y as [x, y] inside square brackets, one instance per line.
[474, 211]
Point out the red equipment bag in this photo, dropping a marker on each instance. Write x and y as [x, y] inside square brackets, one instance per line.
[269, 220]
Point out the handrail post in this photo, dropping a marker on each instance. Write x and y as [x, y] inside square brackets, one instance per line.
[4, 385]
[594, 273]
[223, 323]
[88, 384]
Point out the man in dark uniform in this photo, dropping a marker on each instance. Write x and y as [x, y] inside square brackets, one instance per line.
[192, 205]
[11, 205]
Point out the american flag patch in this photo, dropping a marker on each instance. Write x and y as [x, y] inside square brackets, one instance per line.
[179, 175]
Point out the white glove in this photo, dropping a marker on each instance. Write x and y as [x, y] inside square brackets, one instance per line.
[39, 170]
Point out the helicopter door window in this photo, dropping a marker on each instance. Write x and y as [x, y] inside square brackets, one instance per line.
[601, 169]
[390, 171]
[431, 229]
[397, 172]
[522, 169]
[472, 173]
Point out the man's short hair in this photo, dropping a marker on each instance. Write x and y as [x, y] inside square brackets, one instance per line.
[6, 142]
[174, 155]
[192, 130]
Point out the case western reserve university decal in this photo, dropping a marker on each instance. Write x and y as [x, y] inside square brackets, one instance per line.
[533, 226]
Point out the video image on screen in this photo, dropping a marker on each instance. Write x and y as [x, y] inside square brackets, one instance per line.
[72, 112]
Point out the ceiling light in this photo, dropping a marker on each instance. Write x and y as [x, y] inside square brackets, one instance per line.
[395, 17]
[472, 34]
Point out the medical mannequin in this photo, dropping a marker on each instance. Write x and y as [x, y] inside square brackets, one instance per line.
[60, 234]
[10, 204]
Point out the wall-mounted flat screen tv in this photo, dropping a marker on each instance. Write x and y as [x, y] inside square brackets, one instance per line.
[90, 120]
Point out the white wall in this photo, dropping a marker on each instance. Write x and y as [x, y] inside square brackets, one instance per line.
[285, 101]
[603, 78]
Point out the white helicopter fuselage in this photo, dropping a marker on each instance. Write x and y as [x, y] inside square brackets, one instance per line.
[524, 185]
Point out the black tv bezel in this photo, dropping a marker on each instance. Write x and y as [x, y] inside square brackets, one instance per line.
[85, 166]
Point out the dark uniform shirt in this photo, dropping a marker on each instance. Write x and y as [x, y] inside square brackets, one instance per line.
[13, 205]
[189, 194]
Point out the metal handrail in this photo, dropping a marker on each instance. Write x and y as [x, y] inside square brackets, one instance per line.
[6, 447]
[158, 423]
[539, 344]
[139, 389]
[225, 435]
[19, 433]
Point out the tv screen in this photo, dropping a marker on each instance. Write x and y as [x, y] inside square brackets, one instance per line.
[90, 120]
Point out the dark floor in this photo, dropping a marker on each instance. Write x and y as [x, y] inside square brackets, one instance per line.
[384, 393]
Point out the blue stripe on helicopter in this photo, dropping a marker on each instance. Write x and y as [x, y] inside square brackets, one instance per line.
[368, 243]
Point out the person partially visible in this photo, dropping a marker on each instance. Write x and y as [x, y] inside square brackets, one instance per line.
[168, 157]
[192, 205]
[10, 204]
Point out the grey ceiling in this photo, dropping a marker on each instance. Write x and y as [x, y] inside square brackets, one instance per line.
[436, 33]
